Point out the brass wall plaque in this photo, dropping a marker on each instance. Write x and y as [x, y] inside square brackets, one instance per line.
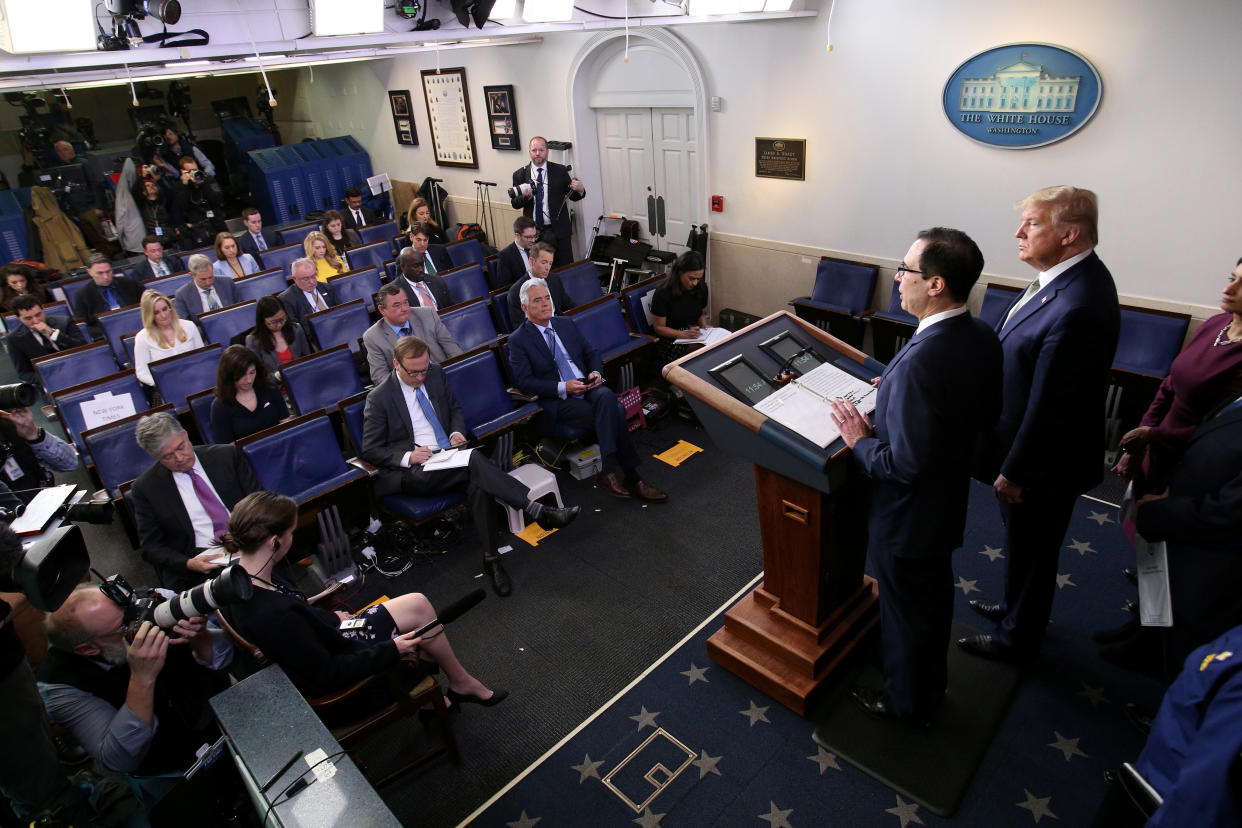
[780, 158]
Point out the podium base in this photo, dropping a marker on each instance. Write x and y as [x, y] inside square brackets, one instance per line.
[787, 659]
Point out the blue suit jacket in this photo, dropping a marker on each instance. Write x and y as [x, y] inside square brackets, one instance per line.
[534, 367]
[246, 243]
[388, 431]
[188, 300]
[1058, 350]
[937, 396]
[143, 272]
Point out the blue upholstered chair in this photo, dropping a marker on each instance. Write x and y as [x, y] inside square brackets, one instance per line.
[110, 391]
[72, 286]
[632, 300]
[466, 251]
[115, 453]
[362, 283]
[257, 285]
[300, 458]
[409, 507]
[1148, 342]
[891, 329]
[841, 293]
[340, 325]
[382, 232]
[500, 311]
[200, 410]
[293, 235]
[170, 284]
[321, 379]
[479, 386]
[279, 258]
[581, 281]
[471, 324]
[369, 255]
[996, 301]
[603, 324]
[220, 326]
[179, 376]
[466, 282]
[491, 269]
[74, 366]
[117, 324]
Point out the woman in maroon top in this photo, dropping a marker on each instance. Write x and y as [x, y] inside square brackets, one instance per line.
[1206, 373]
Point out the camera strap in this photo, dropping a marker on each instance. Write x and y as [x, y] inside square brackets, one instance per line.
[196, 37]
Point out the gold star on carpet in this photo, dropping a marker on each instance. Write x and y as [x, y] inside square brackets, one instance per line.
[588, 769]
[707, 764]
[1100, 517]
[1081, 547]
[776, 817]
[992, 554]
[523, 822]
[907, 812]
[755, 713]
[1064, 580]
[1037, 805]
[695, 674]
[825, 760]
[1095, 695]
[649, 820]
[966, 586]
[1067, 746]
[644, 719]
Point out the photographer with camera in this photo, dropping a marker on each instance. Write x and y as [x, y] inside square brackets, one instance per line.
[177, 146]
[132, 694]
[87, 203]
[540, 190]
[28, 454]
[198, 198]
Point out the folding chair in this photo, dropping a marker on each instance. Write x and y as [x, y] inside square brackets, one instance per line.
[300, 458]
[181, 375]
[257, 285]
[841, 293]
[321, 379]
[220, 326]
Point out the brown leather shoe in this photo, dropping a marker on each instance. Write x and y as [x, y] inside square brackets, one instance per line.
[647, 492]
[611, 484]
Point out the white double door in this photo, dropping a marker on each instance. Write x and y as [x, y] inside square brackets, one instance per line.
[647, 158]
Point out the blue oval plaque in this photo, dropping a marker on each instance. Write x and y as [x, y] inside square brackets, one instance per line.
[1023, 95]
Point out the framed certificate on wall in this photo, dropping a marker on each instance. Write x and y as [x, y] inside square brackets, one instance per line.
[448, 111]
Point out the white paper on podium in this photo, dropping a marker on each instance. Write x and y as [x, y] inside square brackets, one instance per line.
[802, 405]
[106, 408]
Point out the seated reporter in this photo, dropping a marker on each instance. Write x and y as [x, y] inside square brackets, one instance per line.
[276, 339]
[411, 415]
[230, 262]
[138, 708]
[341, 237]
[163, 334]
[245, 402]
[29, 454]
[328, 262]
[679, 305]
[307, 294]
[420, 211]
[17, 279]
[204, 292]
[309, 643]
[39, 335]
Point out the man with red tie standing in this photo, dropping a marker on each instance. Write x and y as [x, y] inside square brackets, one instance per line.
[540, 190]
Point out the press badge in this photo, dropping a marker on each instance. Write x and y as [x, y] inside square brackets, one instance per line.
[353, 623]
[211, 214]
[12, 470]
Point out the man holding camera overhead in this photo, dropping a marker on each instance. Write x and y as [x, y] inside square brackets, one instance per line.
[136, 701]
[28, 454]
[540, 190]
[200, 201]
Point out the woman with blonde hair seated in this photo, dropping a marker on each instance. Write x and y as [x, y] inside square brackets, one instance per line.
[321, 651]
[163, 334]
[230, 262]
[420, 210]
[320, 251]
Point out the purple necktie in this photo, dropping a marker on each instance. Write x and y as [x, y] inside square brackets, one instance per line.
[211, 504]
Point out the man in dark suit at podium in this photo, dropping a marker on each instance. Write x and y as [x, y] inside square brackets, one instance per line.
[936, 398]
[542, 188]
[1058, 338]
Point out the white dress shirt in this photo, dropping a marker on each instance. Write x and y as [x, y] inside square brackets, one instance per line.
[204, 532]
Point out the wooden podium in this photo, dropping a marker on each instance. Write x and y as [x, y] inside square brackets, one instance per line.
[814, 606]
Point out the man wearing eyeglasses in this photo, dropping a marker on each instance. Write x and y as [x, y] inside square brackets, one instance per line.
[398, 319]
[411, 416]
[936, 398]
[515, 259]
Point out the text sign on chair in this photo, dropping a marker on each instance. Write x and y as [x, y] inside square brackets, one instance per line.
[106, 408]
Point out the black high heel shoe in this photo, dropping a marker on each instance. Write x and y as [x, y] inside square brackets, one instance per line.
[459, 699]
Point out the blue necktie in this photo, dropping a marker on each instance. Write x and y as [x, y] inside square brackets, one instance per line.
[259, 242]
[405, 331]
[539, 201]
[563, 365]
[430, 413]
[107, 292]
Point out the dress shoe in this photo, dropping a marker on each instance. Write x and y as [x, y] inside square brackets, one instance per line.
[1131, 574]
[611, 484]
[494, 699]
[551, 518]
[1116, 635]
[990, 610]
[642, 489]
[875, 705]
[501, 584]
[986, 647]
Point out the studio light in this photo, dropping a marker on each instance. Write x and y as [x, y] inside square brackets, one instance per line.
[48, 26]
[346, 17]
[547, 11]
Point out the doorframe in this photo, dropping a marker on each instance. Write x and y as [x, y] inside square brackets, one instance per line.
[583, 74]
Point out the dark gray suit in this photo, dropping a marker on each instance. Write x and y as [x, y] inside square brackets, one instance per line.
[299, 307]
[24, 346]
[425, 324]
[439, 291]
[188, 300]
[247, 244]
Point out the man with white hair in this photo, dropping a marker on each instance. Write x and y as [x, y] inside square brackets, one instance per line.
[204, 292]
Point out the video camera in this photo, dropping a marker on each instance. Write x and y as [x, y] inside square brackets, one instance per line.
[48, 570]
[146, 604]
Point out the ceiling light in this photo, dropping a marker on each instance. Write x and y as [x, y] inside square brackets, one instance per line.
[547, 11]
[504, 9]
[48, 26]
[346, 17]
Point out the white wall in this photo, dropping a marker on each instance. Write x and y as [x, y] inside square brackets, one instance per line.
[883, 160]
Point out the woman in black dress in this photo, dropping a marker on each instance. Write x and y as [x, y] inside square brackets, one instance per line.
[244, 402]
[313, 646]
[679, 305]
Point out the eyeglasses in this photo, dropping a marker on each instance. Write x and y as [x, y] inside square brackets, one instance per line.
[529, 236]
[421, 373]
[275, 322]
[901, 268]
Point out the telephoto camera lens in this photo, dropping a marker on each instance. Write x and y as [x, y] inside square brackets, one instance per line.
[18, 395]
[229, 587]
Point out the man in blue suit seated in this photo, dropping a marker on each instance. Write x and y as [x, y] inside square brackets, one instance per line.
[551, 359]
[205, 292]
[155, 261]
[1058, 339]
[411, 415]
[257, 238]
[937, 396]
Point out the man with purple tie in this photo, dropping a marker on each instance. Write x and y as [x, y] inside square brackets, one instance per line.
[181, 504]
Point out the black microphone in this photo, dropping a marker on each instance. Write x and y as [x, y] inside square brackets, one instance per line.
[453, 611]
[486, 183]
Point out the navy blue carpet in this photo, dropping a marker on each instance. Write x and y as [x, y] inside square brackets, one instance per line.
[689, 744]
